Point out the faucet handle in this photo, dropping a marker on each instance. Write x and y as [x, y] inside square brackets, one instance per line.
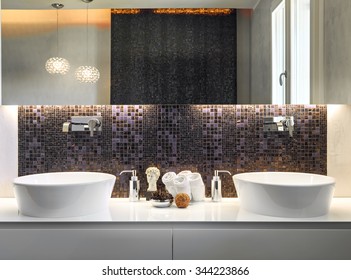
[289, 123]
[92, 124]
[221, 171]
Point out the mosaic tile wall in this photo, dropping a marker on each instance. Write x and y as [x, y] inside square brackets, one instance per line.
[173, 137]
[173, 58]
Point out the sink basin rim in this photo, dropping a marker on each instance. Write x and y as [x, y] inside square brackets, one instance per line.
[323, 179]
[46, 179]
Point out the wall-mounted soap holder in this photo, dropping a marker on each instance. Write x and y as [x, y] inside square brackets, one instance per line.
[280, 124]
[83, 123]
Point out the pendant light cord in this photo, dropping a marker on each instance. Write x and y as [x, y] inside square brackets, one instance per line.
[57, 34]
[57, 6]
[87, 31]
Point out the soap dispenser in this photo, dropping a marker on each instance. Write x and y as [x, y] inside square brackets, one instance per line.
[134, 185]
[216, 185]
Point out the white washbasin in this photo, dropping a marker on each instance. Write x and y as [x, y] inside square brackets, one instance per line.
[285, 194]
[63, 194]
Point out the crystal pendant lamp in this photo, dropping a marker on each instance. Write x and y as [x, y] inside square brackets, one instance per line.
[87, 74]
[57, 65]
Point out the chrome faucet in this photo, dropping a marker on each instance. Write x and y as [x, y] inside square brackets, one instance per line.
[281, 123]
[93, 124]
[83, 123]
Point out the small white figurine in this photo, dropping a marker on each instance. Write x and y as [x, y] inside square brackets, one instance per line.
[152, 174]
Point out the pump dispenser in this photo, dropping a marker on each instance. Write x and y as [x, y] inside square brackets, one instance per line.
[216, 185]
[134, 185]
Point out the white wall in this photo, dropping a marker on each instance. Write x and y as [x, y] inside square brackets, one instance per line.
[8, 149]
[0, 59]
[339, 147]
[337, 89]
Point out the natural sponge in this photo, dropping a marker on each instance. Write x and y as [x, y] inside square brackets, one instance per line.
[182, 200]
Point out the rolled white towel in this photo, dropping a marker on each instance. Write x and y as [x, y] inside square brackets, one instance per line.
[185, 172]
[167, 179]
[182, 184]
[197, 186]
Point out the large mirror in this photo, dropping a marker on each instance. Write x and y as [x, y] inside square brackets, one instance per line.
[246, 73]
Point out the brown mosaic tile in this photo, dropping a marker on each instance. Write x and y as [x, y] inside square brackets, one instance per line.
[199, 138]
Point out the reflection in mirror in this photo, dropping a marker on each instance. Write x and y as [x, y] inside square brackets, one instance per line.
[337, 52]
[174, 56]
[29, 39]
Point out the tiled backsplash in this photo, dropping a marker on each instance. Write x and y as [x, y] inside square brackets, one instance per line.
[173, 137]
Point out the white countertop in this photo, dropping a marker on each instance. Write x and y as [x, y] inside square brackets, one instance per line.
[121, 210]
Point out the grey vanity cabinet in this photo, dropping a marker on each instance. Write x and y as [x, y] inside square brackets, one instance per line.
[179, 241]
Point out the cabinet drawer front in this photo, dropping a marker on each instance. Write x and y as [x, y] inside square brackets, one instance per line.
[248, 244]
[85, 244]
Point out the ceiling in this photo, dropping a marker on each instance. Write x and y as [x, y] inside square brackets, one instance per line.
[106, 4]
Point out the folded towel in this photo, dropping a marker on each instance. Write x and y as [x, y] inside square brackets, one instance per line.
[167, 179]
[197, 186]
[182, 184]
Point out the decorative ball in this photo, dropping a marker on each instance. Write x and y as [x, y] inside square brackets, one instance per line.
[182, 200]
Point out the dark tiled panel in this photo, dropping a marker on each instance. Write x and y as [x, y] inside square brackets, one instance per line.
[168, 135]
[229, 150]
[190, 138]
[127, 144]
[199, 138]
[175, 59]
[31, 130]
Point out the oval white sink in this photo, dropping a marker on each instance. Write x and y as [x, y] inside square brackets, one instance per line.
[285, 194]
[63, 194]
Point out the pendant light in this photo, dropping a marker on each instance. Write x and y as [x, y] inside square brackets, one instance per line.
[87, 74]
[57, 65]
